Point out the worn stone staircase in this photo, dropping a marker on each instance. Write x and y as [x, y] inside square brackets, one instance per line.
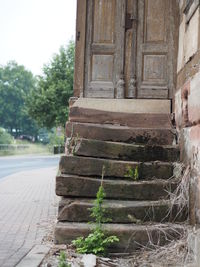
[119, 141]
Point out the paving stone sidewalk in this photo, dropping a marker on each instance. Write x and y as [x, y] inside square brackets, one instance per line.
[28, 209]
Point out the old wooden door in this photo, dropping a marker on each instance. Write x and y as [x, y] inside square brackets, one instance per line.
[156, 48]
[130, 49]
[104, 48]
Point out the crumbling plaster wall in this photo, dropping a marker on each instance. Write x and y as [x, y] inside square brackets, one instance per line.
[187, 100]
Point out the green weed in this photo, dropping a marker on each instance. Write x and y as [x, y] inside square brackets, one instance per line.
[97, 242]
[63, 260]
[132, 173]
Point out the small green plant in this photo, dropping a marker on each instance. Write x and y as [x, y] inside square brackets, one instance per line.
[97, 211]
[97, 242]
[63, 260]
[136, 174]
[132, 173]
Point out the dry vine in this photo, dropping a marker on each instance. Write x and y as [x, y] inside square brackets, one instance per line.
[179, 198]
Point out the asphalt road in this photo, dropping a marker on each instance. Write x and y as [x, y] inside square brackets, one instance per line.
[14, 164]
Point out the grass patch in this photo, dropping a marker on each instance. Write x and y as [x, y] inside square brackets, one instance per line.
[31, 148]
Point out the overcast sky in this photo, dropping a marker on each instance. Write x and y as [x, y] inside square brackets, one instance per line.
[31, 31]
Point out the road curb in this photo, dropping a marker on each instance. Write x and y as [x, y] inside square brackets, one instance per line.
[35, 256]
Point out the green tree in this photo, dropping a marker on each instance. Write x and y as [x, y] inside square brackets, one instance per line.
[48, 102]
[55, 138]
[15, 84]
[5, 138]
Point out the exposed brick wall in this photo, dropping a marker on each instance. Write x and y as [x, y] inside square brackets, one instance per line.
[187, 102]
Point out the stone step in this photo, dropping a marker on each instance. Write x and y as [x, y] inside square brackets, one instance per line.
[161, 106]
[120, 211]
[116, 133]
[123, 151]
[147, 120]
[131, 236]
[87, 166]
[79, 186]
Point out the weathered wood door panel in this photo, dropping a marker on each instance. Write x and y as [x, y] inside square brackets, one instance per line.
[155, 49]
[104, 47]
[130, 49]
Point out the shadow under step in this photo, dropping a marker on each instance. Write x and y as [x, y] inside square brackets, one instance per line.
[119, 211]
[117, 133]
[132, 237]
[87, 166]
[79, 186]
[123, 151]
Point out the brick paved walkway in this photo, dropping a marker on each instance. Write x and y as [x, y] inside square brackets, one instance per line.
[28, 208]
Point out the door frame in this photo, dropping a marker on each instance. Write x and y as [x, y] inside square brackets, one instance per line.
[80, 54]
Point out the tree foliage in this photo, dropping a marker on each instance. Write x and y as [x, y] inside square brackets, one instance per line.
[5, 138]
[48, 102]
[15, 84]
